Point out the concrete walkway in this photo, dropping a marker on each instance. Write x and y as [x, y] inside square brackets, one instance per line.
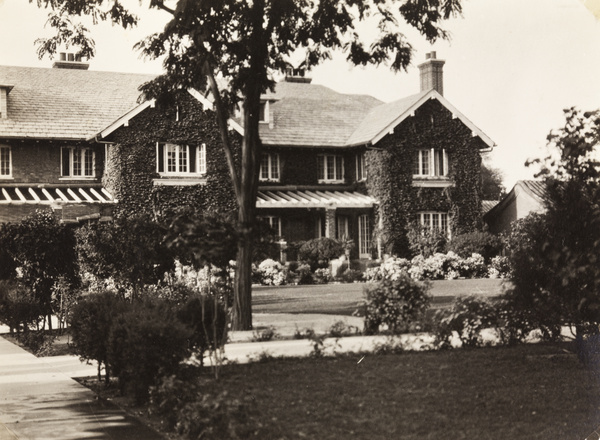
[39, 399]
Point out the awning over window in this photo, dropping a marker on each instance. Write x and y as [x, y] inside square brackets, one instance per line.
[13, 195]
[313, 199]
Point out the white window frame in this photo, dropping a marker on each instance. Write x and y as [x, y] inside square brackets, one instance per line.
[432, 220]
[5, 150]
[364, 236]
[338, 174]
[361, 167]
[273, 173]
[70, 173]
[181, 151]
[274, 222]
[432, 170]
[264, 105]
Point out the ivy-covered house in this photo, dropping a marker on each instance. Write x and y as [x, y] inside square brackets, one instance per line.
[334, 165]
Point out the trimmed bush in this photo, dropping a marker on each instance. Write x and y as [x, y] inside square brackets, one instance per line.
[145, 343]
[317, 252]
[486, 244]
[399, 305]
[19, 309]
[271, 273]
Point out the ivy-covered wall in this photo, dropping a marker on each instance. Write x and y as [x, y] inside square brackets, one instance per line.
[131, 164]
[390, 175]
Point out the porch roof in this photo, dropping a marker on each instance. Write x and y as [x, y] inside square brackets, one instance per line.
[313, 199]
[53, 195]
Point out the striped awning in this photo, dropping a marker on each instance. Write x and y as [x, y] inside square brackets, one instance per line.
[313, 199]
[14, 195]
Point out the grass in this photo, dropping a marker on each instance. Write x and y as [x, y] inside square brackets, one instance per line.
[524, 392]
[345, 299]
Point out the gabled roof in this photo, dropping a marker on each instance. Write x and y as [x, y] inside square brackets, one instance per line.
[536, 189]
[65, 103]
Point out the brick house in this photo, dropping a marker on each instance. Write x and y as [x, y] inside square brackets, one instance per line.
[334, 165]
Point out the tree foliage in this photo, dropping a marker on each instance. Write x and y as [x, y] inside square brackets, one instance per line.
[492, 187]
[556, 255]
[242, 44]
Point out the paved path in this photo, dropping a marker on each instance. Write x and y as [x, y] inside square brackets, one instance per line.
[39, 400]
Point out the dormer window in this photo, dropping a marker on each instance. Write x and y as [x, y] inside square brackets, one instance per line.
[263, 115]
[331, 168]
[77, 162]
[180, 160]
[269, 167]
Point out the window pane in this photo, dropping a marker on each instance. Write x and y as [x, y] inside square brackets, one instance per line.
[183, 159]
[77, 166]
[425, 162]
[364, 235]
[435, 223]
[417, 163]
[264, 166]
[171, 151]
[321, 162]
[444, 221]
[89, 162]
[202, 159]
[5, 161]
[339, 168]
[330, 167]
[426, 222]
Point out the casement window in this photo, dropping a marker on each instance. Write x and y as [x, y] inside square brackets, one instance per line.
[274, 223]
[430, 162]
[180, 160]
[331, 168]
[269, 167]
[434, 221]
[364, 236]
[361, 170]
[77, 162]
[5, 162]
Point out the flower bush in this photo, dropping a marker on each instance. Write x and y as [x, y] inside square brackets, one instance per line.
[322, 276]
[272, 273]
[499, 267]
[392, 268]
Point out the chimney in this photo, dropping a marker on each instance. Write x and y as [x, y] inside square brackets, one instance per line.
[70, 61]
[432, 73]
[4, 91]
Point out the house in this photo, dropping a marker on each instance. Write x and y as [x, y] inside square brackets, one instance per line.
[334, 165]
[527, 196]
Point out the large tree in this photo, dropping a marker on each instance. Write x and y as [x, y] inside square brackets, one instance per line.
[233, 48]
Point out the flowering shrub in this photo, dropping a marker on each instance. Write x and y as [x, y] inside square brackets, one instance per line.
[322, 276]
[499, 267]
[398, 305]
[474, 267]
[392, 268]
[272, 273]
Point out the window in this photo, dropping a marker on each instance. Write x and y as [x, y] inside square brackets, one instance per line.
[434, 221]
[430, 162]
[263, 115]
[269, 167]
[331, 168]
[364, 236]
[5, 162]
[180, 160]
[273, 222]
[77, 162]
[361, 170]
[342, 227]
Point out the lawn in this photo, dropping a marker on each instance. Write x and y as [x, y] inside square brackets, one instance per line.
[525, 392]
[344, 299]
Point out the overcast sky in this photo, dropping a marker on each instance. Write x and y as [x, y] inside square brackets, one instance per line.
[511, 66]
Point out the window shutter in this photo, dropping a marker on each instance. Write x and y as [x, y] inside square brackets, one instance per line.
[160, 158]
[65, 161]
[193, 158]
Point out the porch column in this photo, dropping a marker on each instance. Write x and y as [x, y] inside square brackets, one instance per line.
[330, 223]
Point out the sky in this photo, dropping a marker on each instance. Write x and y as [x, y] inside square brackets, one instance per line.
[512, 66]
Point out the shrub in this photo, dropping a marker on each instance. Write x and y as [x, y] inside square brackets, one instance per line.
[467, 318]
[392, 268]
[91, 321]
[322, 276]
[272, 273]
[18, 307]
[397, 304]
[206, 316]
[352, 275]
[499, 267]
[145, 343]
[304, 274]
[426, 242]
[485, 244]
[317, 252]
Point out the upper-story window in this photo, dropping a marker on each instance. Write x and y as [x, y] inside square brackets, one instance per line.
[361, 170]
[434, 221]
[180, 160]
[269, 167]
[331, 168]
[5, 162]
[430, 162]
[263, 115]
[77, 162]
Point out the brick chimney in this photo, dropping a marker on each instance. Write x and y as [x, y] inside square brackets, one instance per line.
[70, 61]
[432, 73]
